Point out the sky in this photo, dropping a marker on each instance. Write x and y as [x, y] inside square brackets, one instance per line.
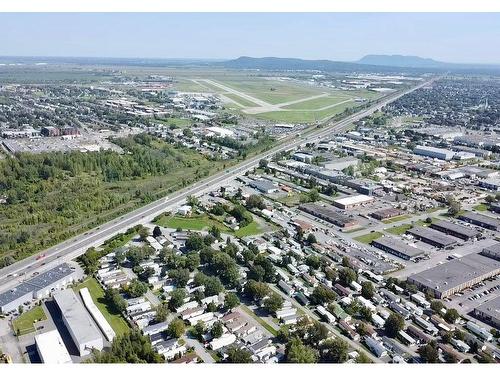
[449, 37]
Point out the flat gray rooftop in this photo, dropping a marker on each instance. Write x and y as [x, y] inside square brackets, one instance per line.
[36, 283]
[492, 251]
[452, 227]
[456, 272]
[432, 235]
[490, 308]
[481, 218]
[325, 211]
[76, 316]
[399, 246]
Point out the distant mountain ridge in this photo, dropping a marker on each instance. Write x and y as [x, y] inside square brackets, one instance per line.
[369, 63]
[285, 63]
[402, 61]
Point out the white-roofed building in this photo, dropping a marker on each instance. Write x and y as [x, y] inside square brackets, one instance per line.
[51, 348]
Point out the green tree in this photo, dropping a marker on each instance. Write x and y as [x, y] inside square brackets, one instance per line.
[136, 288]
[429, 353]
[238, 355]
[297, 352]
[367, 289]
[176, 328]
[273, 303]
[347, 276]
[176, 298]
[231, 301]
[217, 330]
[321, 295]
[451, 315]
[394, 324]
[334, 351]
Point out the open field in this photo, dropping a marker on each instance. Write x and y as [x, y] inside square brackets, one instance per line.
[251, 229]
[304, 116]
[369, 237]
[24, 323]
[318, 103]
[199, 223]
[115, 319]
[399, 230]
[270, 91]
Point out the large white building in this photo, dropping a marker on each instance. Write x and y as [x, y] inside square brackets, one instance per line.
[434, 152]
[51, 348]
[82, 329]
[38, 287]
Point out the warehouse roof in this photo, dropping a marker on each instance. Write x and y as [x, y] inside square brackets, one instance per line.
[76, 316]
[480, 218]
[492, 251]
[452, 227]
[456, 272]
[263, 185]
[36, 283]
[355, 199]
[399, 246]
[432, 235]
[51, 348]
[327, 212]
[490, 308]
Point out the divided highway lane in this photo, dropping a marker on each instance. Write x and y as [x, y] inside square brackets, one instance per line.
[77, 245]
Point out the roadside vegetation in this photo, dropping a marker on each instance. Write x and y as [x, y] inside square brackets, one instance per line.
[52, 196]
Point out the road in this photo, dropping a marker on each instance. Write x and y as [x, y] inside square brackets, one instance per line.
[77, 245]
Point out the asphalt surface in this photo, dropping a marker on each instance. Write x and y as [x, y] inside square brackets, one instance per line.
[76, 246]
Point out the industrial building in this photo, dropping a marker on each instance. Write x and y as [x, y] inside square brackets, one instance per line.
[484, 221]
[340, 163]
[82, 329]
[101, 321]
[456, 275]
[455, 230]
[386, 213]
[489, 312]
[264, 186]
[397, 247]
[434, 152]
[329, 214]
[492, 251]
[38, 287]
[490, 184]
[432, 237]
[353, 201]
[51, 348]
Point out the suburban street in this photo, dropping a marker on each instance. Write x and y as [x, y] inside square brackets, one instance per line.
[76, 246]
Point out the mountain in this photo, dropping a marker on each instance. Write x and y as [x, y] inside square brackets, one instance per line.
[282, 63]
[403, 61]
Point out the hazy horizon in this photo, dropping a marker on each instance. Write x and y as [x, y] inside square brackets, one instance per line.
[447, 37]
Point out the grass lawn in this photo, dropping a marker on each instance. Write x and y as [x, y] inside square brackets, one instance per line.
[250, 230]
[290, 200]
[317, 103]
[369, 237]
[261, 321]
[116, 321]
[481, 207]
[395, 219]
[244, 102]
[300, 116]
[24, 323]
[399, 230]
[190, 223]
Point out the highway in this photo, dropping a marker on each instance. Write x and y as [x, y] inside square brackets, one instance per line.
[77, 245]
